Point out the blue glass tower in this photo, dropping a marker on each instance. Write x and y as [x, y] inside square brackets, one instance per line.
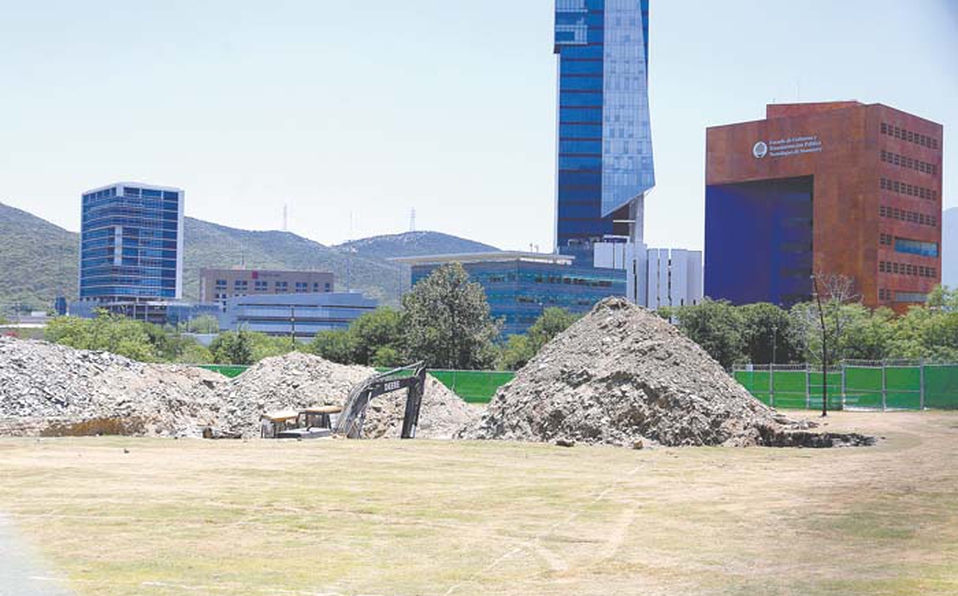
[131, 244]
[604, 161]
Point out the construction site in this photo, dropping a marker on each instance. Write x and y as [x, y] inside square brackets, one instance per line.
[621, 454]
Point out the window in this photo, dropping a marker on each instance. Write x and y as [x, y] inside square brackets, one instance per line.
[221, 284]
[261, 286]
[281, 287]
[302, 287]
[910, 136]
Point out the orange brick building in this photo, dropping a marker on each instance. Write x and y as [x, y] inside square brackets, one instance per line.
[826, 188]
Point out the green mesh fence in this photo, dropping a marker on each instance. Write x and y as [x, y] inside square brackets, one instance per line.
[857, 387]
[231, 370]
[473, 386]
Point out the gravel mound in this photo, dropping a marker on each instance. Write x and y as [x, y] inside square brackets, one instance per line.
[299, 380]
[45, 386]
[51, 389]
[621, 375]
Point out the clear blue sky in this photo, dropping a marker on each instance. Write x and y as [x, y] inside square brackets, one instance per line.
[376, 107]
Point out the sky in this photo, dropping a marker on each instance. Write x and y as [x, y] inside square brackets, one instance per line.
[355, 113]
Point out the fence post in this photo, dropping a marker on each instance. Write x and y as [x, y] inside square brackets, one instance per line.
[921, 399]
[844, 402]
[771, 385]
[808, 386]
[884, 387]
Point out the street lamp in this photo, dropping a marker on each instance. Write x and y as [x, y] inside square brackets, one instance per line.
[821, 314]
[774, 343]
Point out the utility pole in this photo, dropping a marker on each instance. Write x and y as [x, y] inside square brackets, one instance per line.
[821, 314]
[292, 326]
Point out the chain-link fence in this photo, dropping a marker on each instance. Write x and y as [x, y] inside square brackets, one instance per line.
[854, 385]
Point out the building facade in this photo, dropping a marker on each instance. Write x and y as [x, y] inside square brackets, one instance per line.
[218, 285]
[656, 277]
[604, 162]
[828, 189]
[294, 315]
[131, 245]
[520, 286]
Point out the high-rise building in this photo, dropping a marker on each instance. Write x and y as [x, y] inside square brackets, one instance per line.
[604, 139]
[831, 189]
[131, 247]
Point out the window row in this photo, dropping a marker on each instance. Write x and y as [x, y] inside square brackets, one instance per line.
[907, 269]
[907, 135]
[909, 216]
[911, 190]
[903, 161]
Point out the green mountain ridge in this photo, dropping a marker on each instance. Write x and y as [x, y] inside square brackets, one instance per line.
[38, 259]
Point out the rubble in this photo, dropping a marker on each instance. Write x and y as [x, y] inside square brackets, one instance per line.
[44, 385]
[299, 380]
[48, 389]
[623, 376]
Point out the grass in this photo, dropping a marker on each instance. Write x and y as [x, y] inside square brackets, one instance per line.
[432, 518]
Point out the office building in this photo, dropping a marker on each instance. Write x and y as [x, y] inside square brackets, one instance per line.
[519, 286]
[217, 285]
[657, 277]
[131, 248]
[604, 160]
[839, 188]
[299, 315]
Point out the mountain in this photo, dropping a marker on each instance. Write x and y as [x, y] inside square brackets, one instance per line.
[414, 244]
[213, 245]
[949, 255]
[38, 260]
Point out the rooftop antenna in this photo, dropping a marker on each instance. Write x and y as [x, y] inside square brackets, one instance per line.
[412, 220]
[285, 217]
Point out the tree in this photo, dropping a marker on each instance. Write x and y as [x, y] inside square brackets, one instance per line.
[520, 349]
[377, 333]
[335, 345]
[717, 327]
[111, 333]
[766, 331]
[446, 321]
[194, 353]
[233, 347]
[517, 352]
[204, 324]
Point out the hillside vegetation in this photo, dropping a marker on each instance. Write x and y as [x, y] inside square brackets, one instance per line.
[38, 259]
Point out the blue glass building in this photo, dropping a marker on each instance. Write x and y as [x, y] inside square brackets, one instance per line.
[605, 164]
[299, 315]
[520, 286]
[131, 245]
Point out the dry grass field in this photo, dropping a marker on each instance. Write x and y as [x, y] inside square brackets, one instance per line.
[160, 517]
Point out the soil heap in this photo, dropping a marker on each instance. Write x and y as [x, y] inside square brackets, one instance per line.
[621, 375]
[48, 388]
[299, 380]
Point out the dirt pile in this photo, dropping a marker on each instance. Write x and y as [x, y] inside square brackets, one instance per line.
[48, 387]
[51, 389]
[300, 380]
[620, 375]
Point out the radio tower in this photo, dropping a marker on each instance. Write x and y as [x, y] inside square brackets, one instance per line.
[412, 220]
[285, 217]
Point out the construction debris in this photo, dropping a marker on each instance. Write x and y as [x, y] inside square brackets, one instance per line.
[53, 389]
[623, 376]
[297, 381]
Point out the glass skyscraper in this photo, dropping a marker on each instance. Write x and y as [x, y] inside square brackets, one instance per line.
[131, 245]
[604, 161]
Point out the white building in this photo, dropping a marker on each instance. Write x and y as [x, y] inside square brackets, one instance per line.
[657, 277]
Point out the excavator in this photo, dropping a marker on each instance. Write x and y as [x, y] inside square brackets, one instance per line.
[348, 421]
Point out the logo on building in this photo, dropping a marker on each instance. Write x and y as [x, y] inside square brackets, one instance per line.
[760, 150]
